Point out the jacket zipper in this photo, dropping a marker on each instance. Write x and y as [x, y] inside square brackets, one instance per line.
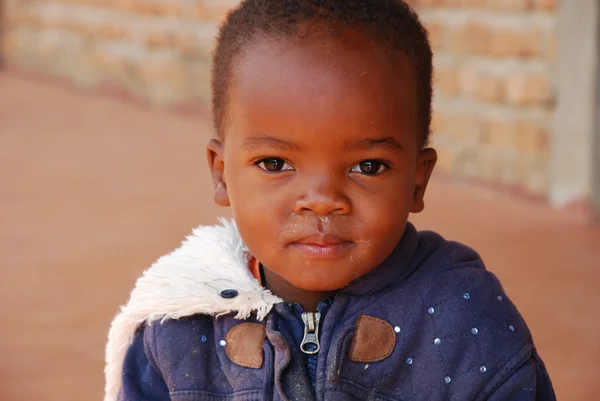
[310, 343]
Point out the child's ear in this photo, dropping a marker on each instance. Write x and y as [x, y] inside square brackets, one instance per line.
[425, 164]
[216, 164]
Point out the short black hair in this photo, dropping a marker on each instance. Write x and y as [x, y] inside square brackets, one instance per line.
[390, 22]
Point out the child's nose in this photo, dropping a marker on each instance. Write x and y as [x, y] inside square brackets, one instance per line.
[323, 201]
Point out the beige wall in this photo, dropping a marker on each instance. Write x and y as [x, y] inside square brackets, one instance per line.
[495, 62]
[575, 166]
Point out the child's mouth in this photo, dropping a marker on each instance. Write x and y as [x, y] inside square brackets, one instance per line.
[323, 246]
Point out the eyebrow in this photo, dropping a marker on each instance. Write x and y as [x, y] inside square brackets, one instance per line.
[259, 140]
[388, 143]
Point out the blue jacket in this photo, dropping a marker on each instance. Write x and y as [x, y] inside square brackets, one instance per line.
[430, 323]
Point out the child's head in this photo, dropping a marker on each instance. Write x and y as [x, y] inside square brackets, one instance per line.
[322, 111]
[389, 23]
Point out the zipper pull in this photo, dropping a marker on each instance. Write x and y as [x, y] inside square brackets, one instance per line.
[310, 343]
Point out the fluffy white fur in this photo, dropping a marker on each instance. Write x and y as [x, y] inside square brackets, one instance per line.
[185, 282]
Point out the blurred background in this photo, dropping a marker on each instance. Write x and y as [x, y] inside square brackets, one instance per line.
[103, 121]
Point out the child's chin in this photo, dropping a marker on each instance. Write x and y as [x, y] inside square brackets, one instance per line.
[322, 285]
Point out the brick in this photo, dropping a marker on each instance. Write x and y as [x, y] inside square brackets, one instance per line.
[509, 5]
[123, 5]
[527, 88]
[469, 79]
[85, 2]
[154, 73]
[199, 10]
[470, 127]
[533, 174]
[447, 81]
[533, 138]
[488, 165]
[466, 162]
[502, 134]
[473, 3]
[215, 11]
[497, 41]
[552, 47]
[464, 128]
[451, 3]
[545, 5]
[517, 89]
[508, 42]
[108, 32]
[427, 3]
[471, 37]
[162, 8]
[491, 88]
[111, 67]
[437, 35]
[142, 7]
[159, 39]
[186, 44]
[496, 166]
[481, 85]
[525, 136]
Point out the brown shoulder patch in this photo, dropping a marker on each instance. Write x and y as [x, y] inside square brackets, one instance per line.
[374, 340]
[244, 344]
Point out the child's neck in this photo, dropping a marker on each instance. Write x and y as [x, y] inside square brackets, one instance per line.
[280, 287]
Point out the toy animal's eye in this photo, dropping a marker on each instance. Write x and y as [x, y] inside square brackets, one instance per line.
[228, 294]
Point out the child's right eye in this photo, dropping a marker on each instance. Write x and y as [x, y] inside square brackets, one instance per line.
[274, 165]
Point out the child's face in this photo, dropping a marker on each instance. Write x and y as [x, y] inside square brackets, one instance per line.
[321, 159]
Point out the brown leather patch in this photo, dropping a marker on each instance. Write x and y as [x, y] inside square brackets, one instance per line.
[374, 340]
[244, 344]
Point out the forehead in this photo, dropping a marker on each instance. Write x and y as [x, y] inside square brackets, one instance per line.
[345, 80]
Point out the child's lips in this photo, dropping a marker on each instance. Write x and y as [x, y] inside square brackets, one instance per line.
[323, 246]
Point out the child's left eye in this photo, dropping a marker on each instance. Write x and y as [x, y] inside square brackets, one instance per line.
[369, 167]
[273, 165]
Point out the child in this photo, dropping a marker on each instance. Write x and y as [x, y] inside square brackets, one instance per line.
[321, 289]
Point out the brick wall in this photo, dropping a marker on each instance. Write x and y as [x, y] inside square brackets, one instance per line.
[494, 68]
[157, 50]
[495, 88]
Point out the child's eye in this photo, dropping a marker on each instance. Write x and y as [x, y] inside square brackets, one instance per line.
[273, 165]
[369, 167]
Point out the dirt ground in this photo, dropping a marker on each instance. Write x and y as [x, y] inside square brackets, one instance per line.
[93, 190]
